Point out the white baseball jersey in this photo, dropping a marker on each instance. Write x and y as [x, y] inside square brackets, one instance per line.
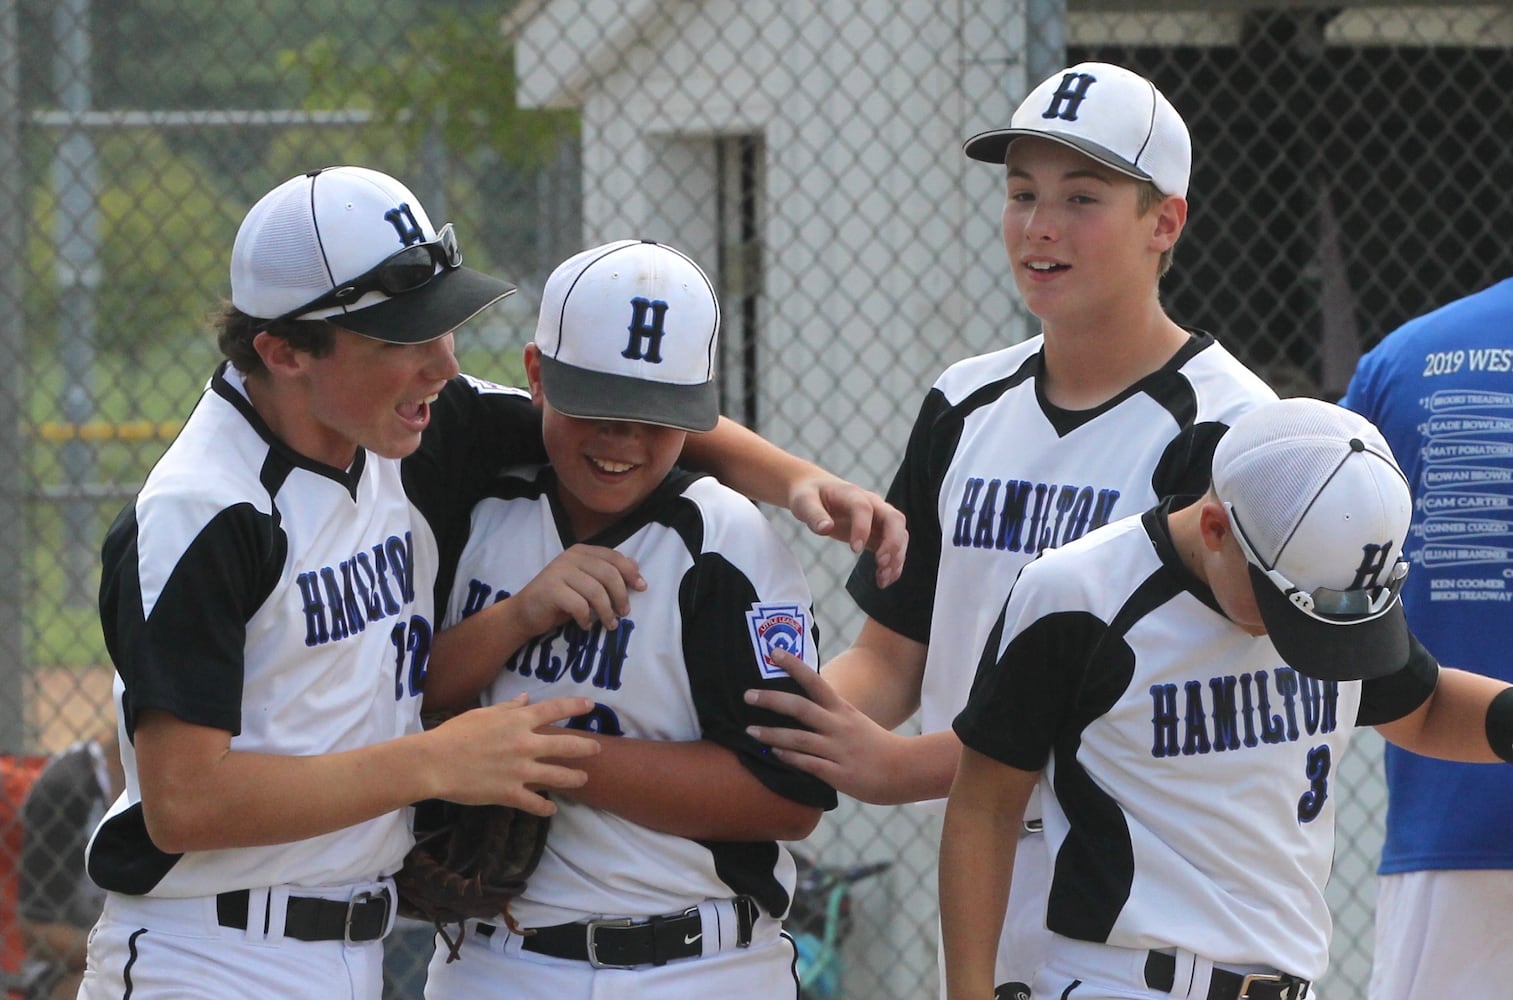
[994, 474]
[253, 590]
[723, 590]
[1188, 773]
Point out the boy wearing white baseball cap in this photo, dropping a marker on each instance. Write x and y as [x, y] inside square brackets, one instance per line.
[1112, 407]
[268, 600]
[281, 552]
[1182, 686]
[665, 874]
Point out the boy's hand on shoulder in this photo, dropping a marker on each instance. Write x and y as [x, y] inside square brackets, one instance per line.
[585, 584]
[839, 744]
[837, 508]
[503, 753]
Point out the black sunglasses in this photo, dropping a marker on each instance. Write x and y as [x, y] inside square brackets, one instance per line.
[403, 271]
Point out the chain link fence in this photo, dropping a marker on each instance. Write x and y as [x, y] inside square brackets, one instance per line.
[1350, 167]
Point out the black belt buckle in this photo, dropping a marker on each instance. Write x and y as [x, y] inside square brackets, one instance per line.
[591, 929]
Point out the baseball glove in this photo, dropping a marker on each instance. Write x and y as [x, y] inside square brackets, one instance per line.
[468, 862]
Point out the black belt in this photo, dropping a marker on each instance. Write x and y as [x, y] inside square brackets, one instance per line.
[1161, 974]
[309, 918]
[626, 944]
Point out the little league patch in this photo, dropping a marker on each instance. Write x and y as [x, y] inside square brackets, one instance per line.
[774, 627]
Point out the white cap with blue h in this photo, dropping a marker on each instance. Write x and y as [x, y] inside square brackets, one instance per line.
[629, 331]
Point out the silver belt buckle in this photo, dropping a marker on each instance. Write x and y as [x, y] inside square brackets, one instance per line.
[353, 904]
[1258, 978]
[593, 950]
[1033, 826]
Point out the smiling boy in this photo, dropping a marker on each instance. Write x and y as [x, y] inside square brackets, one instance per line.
[1111, 407]
[268, 602]
[663, 875]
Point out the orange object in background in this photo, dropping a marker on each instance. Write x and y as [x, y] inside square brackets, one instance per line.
[17, 772]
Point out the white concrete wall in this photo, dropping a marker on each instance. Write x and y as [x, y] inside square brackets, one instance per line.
[881, 249]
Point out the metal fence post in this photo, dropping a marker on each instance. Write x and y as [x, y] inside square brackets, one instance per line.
[1045, 39]
[75, 178]
[12, 476]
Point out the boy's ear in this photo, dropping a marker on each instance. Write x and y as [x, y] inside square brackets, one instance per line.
[533, 373]
[278, 355]
[1170, 218]
[1213, 523]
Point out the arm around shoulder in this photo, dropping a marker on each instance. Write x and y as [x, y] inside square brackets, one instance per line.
[827, 504]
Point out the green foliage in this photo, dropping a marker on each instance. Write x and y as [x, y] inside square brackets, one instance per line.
[439, 81]
[452, 78]
[161, 242]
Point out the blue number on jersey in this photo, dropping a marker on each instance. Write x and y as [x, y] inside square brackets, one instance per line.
[1312, 801]
[414, 639]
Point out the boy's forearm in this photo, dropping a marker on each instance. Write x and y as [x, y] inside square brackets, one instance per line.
[692, 788]
[466, 657]
[747, 462]
[977, 847]
[976, 866]
[882, 674]
[1452, 724]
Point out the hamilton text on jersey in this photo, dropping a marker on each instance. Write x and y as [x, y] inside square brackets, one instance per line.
[341, 600]
[596, 656]
[1250, 721]
[1034, 516]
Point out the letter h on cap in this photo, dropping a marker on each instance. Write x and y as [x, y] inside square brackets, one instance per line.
[641, 330]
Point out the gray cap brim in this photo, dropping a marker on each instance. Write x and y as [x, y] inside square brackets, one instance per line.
[1348, 652]
[592, 395]
[435, 309]
[993, 147]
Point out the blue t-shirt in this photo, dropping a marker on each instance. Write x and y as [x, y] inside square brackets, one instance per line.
[1441, 390]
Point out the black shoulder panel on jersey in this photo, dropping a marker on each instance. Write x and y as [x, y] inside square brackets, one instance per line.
[714, 597]
[123, 857]
[1023, 698]
[908, 604]
[276, 469]
[1186, 466]
[473, 436]
[186, 657]
[1095, 867]
[1169, 387]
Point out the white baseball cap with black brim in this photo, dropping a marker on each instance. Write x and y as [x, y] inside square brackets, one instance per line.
[630, 331]
[1108, 113]
[354, 246]
[1320, 509]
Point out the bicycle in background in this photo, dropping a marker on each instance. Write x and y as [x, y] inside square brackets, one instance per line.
[820, 921]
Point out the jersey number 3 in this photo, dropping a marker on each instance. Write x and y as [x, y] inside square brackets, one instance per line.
[1317, 772]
